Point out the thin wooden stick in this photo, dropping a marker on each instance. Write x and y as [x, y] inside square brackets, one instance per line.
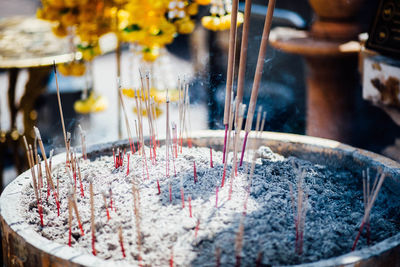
[69, 222]
[368, 209]
[121, 241]
[48, 173]
[136, 205]
[92, 225]
[83, 141]
[80, 178]
[61, 112]
[75, 206]
[259, 71]
[32, 170]
[230, 69]
[228, 141]
[243, 56]
[128, 127]
[262, 124]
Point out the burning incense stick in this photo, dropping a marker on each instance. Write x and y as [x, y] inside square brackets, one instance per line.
[230, 69]
[259, 71]
[61, 112]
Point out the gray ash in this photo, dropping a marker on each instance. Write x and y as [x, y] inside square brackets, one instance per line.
[334, 211]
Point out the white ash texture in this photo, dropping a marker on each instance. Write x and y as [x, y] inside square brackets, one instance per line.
[334, 211]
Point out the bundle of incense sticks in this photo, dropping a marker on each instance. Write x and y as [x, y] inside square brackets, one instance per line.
[184, 113]
[258, 73]
[242, 69]
[370, 203]
[48, 172]
[29, 155]
[141, 148]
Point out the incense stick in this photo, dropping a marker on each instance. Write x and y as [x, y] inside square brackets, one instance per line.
[259, 71]
[92, 225]
[48, 173]
[228, 141]
[230, 69]
[61, 111]
[367, 212]
[243, 56]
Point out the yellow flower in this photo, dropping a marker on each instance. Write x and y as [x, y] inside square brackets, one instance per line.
[211, 22]
[74, 68]
[69, 19]
[129, 92]
[203, 2]
[144, 111]
[160, 95]
[151, 54]
[185, 26]
[192, 9]
[94, 103]
[59, 30]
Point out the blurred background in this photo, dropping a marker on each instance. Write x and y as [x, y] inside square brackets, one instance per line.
[312, 82]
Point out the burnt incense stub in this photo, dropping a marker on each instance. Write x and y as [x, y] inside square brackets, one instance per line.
[322, 176]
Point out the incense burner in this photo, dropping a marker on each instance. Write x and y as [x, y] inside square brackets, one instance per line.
[22, 246]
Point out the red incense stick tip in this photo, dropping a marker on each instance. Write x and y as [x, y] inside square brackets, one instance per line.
[197, 228]
[190, 206]
[183, 198]
[70, 237]
[171, 260]
[170, 193]
[93, 244]
[158, 187]
[194, 172]
[211, 160]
